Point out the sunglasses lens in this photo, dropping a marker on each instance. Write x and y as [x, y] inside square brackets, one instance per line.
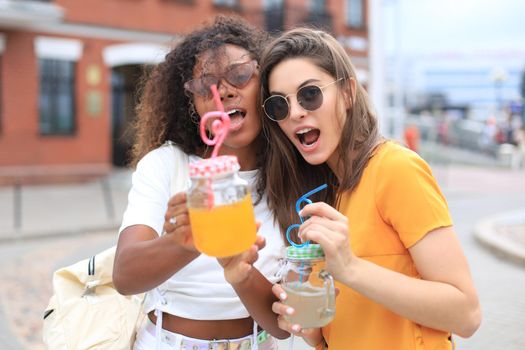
[240, 75]
[276, 107]
[201, 86]
[310, 97]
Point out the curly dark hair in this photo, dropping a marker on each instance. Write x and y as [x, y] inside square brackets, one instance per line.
[164, 112]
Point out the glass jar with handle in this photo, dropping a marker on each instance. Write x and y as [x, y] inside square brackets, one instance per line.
[310, 289]
[220, 207]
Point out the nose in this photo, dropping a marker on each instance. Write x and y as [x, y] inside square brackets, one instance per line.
[226, 91]
[296, 111]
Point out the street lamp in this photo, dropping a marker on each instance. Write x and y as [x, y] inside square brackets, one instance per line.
[498, 75]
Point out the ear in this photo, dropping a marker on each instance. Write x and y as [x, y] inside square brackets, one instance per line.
[350, 92]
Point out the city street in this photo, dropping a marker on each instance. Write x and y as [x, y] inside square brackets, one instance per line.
[473, 194]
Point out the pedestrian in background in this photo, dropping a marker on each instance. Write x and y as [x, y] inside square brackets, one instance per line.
[412, 137]
[191, 299]
[386, 233]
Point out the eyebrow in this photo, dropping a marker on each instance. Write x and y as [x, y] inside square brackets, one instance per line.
[235, 62]
[304, 83]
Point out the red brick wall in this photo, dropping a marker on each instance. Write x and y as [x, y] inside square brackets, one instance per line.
[20, 140]
[169, 16]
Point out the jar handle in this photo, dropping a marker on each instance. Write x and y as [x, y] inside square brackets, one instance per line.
[330, 291]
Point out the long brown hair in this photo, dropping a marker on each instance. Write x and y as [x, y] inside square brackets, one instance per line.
[165, 111]
[288, 175]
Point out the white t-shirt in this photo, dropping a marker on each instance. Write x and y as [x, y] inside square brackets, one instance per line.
[199, 290]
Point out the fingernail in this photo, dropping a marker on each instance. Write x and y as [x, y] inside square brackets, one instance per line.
[289, 311]
[296, 328]
[282, 296]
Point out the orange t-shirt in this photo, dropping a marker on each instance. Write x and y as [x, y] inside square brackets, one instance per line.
[396, 203]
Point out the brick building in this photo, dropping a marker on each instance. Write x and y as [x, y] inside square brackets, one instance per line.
[69, 70]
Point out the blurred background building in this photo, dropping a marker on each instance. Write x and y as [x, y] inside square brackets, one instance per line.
[69, 71]
[456, 71]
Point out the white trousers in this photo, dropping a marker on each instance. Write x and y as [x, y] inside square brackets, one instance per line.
[172, 341]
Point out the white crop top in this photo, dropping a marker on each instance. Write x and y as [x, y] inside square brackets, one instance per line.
[197, 291]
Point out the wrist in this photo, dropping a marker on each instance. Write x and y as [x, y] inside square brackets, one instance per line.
[314, 338]
[241, 283]
[350, 275]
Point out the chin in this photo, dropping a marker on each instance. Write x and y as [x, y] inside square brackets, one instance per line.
[314, 159]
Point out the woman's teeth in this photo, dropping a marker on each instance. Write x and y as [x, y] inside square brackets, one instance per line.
[232, 113]
[308, 136]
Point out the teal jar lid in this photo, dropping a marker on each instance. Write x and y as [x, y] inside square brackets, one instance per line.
[307, 252]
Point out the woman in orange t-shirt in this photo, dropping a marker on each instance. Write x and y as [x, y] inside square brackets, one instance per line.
[390, 245]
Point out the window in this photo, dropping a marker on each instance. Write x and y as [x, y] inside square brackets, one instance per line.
[227, 3]
[2, 47]
[57, 96]
[317, 6]
[57, 59]
[355, 13]
[1, 95]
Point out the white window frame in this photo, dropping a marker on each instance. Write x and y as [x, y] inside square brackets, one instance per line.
[58, 48]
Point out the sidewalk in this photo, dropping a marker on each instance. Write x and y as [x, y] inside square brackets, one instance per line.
[39, 211]
[504, 234]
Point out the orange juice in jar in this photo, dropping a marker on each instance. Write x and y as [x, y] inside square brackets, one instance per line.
[220, 208]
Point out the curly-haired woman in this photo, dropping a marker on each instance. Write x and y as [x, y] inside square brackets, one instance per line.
[192, 301]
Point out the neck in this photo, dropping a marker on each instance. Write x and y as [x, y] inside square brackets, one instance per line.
[336, 165]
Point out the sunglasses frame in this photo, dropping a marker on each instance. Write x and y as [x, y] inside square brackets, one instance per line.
[253, 63]
[295, 93]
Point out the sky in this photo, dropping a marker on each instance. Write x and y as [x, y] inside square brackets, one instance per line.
[431, 26]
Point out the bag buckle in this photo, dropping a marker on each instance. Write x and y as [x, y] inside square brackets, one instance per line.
[89, 290]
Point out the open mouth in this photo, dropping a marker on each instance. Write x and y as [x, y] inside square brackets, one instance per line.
[236, 118]
[308, 136]
[236, 113]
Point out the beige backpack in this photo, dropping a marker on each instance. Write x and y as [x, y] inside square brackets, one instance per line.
[86, 311]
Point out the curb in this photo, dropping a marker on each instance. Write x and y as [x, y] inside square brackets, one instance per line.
[502, 246]
[9, 237]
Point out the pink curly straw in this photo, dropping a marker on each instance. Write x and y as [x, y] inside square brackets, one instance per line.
[219, 127]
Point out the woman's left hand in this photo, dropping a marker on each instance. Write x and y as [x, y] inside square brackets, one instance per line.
[329, 228]
[177, 222]
[237, 268]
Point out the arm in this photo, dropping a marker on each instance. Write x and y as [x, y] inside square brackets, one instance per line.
[444, 298]
[254, 290]
[144, 260]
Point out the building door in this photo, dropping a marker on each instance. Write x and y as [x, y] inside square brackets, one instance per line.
[124, 83]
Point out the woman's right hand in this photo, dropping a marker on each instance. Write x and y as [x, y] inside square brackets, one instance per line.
[312, 336]
[177, 222]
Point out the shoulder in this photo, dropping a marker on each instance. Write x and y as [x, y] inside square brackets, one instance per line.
[396, 161]
[164, 157]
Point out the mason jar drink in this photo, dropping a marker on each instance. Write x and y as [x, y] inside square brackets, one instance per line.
[220, 207]
[310, 289]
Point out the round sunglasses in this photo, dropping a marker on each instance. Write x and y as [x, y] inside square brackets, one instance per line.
[237, 75]
[309, 97]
